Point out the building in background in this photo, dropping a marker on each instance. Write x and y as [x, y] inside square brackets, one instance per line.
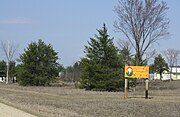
[173, 73]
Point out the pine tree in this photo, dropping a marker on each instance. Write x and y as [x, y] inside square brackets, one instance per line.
[159, 65]
[126, 56]
[3, 68]
[102, 50]
[39, 64]
[102, 66]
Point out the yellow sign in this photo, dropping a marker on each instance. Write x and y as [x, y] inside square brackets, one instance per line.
[136, 71]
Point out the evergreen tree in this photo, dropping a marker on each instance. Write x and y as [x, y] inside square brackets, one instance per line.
[102, 50]
[159, 65]
[102, 66]
[126, 56]
[3, 68]
[39, 64]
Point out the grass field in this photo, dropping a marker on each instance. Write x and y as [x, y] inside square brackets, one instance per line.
[66, 101]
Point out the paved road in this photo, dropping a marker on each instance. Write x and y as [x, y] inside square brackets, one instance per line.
[7, 111]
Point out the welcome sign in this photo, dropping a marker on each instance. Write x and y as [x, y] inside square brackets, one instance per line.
[136, 72]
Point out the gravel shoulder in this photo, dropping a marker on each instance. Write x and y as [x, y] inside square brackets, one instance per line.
[8, 111]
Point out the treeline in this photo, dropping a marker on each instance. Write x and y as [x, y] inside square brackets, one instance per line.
[142, 24]
[101, 69]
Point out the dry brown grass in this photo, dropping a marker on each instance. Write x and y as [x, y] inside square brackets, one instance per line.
[68, 102]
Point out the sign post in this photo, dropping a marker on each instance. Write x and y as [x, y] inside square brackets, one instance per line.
[136, 72]
[146, 91]
[126, 88]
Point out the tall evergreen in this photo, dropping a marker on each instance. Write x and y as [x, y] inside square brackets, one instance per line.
[101, 67]
[102, 50]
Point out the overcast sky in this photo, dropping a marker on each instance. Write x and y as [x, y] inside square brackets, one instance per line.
[68, 24]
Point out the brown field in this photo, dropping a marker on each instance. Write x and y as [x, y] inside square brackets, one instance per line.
[66, 101]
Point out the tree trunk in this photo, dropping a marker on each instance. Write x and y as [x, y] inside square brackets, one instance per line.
[138, 59]
[7, 74]
[160, 76]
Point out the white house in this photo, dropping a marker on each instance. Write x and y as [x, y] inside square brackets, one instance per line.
[2, 79]
[174, 75]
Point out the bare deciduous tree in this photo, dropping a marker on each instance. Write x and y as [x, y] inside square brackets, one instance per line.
[124, 44]
[171, 56]
[9, 49]
[143, 22]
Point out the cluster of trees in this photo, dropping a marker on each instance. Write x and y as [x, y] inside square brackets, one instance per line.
[162, 64]
[9, 50]
[71, 73]
[142, 22]
[3, 70]
[159, 65]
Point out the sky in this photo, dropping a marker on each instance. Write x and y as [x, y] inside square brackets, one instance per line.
[68, 24]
